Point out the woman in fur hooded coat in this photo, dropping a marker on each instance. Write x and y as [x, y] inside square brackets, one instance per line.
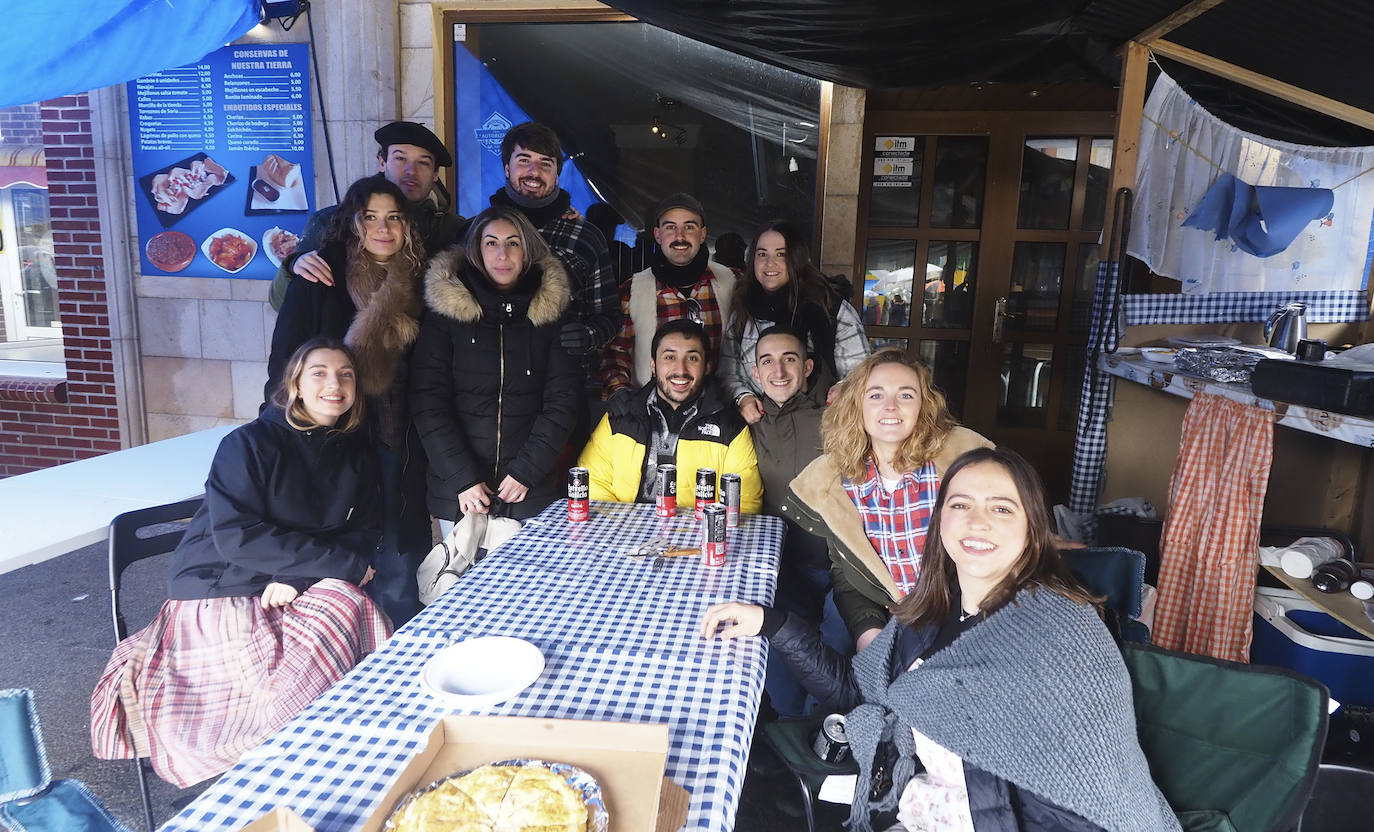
[494, 395]
[376, 311]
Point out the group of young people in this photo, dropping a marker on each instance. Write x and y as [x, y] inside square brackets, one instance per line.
[424, 366]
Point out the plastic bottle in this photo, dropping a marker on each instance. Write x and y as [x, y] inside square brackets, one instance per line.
[1301, 557]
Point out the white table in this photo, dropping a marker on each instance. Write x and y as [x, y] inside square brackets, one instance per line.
[50, 512]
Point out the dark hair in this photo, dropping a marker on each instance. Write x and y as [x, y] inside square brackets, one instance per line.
[287, 393]
[805, 282]
[781, 329]
[730, 250]
[682, 326]
[1038, 565]
[604, 218]
[344, 225]
[532, 245]
[532, 136]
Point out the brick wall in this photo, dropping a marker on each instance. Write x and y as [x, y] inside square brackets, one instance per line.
[45, 423]
[21, 125]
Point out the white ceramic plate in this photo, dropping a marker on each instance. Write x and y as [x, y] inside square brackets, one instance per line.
[233, 232]
[267, 244]
[481, 672]
[1201, 342]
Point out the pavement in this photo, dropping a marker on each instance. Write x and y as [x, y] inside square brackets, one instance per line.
[57, 635]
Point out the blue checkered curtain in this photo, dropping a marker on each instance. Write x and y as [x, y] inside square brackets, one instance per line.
[1235, 307]
[1090, 442]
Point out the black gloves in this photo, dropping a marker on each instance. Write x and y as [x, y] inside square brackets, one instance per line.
[576, 338]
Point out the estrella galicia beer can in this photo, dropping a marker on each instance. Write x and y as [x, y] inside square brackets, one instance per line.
[665, 491]
[831, 744]
[713, 534]
[579, 492]
[730, 486]
[706, 488]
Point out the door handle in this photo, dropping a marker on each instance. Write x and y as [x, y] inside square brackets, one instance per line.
[999, 318]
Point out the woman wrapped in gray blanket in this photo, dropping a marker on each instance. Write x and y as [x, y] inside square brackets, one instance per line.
[996, 674]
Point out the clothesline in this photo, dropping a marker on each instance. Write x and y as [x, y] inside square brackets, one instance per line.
[1178, 137]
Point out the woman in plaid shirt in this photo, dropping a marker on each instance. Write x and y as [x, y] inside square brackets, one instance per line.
[887, 438]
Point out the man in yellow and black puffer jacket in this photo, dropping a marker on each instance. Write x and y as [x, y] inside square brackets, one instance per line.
[677, 418]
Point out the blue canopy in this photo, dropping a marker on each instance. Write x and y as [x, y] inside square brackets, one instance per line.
[50, 49]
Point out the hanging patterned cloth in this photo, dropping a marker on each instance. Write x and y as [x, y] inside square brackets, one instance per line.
[1210, 545]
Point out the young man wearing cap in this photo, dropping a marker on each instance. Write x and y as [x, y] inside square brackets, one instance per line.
[409, 155]
[681, 283]
[533, 159]
[675, 418]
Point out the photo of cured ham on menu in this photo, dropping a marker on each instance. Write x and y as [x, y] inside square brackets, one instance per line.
[178, 189]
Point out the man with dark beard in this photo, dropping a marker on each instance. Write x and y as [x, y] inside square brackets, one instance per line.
[681, 283]
[674, 419]
[533, 159]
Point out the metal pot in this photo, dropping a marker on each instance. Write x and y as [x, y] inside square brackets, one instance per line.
[1287, 326]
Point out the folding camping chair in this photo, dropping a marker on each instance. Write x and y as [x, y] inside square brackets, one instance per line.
[135, 536]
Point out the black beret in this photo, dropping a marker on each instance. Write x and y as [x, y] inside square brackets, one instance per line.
[408, 132]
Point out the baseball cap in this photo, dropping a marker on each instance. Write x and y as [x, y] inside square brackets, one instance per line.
[678, 200]
[408, 132]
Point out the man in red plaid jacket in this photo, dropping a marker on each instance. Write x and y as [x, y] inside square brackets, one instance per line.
[681, 283]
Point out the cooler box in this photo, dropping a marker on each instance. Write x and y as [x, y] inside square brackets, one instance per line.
[1292, 632]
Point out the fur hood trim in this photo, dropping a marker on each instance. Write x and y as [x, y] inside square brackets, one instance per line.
[446, 293]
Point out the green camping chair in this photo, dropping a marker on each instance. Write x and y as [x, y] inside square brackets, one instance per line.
[1232, 746]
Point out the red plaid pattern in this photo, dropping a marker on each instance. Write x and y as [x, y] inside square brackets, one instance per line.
[208, 680]
[896, 523]
[1211, 540]
[616, 365]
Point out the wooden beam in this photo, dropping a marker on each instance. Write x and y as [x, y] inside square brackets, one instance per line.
[1197, 8]
[1130, 103]
[1263, 83]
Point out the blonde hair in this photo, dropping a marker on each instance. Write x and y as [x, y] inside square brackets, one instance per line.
[844, 439]
[288, 393]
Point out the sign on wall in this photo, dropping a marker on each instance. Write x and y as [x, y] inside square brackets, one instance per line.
[222, 161]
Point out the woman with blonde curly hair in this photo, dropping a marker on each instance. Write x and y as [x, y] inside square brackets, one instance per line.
[887, 438]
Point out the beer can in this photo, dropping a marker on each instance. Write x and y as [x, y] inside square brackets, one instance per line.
[665, 491]
[579, 492]
[730, 485]
[713, 534]
[831, 745]
[706, 488]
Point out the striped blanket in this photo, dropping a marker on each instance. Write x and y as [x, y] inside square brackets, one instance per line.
[208, 680]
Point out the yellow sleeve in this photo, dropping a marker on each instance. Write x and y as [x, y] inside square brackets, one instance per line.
[596, 458]
[740, 459]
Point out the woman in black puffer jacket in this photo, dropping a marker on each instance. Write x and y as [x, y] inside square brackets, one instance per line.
[493, 394]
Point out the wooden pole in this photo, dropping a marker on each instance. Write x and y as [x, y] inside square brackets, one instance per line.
[1197, 8]
[1130, 102]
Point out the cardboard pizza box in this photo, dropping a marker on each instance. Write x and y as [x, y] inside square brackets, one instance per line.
[279, 820]
[626, 758]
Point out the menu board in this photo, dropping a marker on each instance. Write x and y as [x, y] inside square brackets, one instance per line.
[222, 161]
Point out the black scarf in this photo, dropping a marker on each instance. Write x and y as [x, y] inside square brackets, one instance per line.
[681, 278]
[814, 323]
[538, 215]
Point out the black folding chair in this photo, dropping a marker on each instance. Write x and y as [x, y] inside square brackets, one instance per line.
[133, 537]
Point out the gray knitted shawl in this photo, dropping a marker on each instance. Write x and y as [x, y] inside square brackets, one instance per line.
[1036, 695]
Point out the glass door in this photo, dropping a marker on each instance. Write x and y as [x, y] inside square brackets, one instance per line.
[979, 242]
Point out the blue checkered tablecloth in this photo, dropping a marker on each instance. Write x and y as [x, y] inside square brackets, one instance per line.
[620, 642]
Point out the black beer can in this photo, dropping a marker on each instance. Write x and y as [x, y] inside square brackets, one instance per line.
[665, 491]
[579, 490]
[706, 488]
[713, 534]
[730, 488]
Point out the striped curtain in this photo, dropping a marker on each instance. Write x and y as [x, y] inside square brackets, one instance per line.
[1210, 545]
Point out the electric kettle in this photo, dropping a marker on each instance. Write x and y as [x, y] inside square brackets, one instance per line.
[1287, 326]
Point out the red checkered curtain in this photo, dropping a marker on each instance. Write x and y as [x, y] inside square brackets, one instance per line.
[1211, 539]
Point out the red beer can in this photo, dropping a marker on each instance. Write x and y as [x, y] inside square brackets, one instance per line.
[730, 488]
[706, 488]
[579, 493]
[713, 534]
[665, 491]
